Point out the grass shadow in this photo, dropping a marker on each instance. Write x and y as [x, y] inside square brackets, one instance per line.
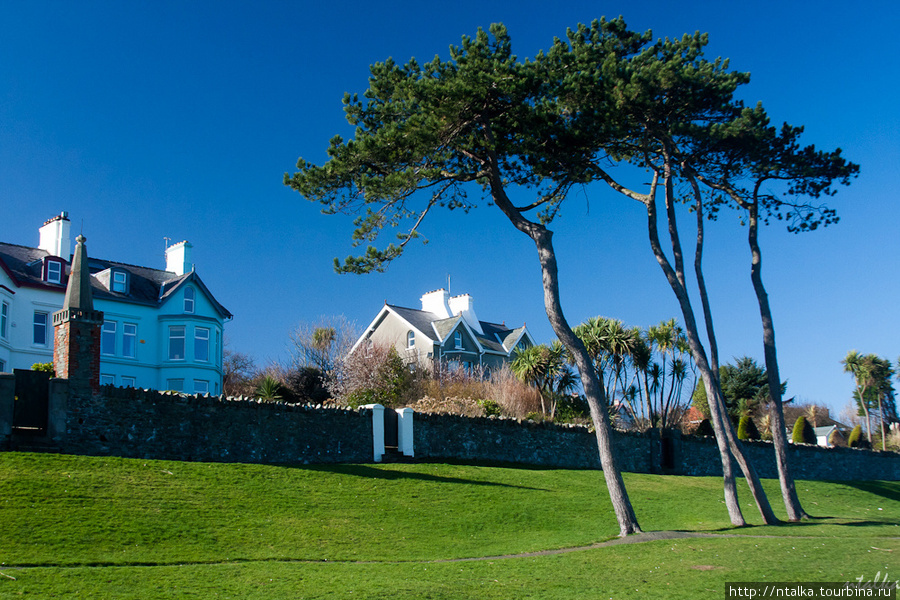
[885, 489]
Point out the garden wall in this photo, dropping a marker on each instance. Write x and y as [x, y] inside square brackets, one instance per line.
[149, 424]
[154, 425]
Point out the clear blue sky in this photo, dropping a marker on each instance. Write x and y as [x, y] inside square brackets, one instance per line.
[158, 119]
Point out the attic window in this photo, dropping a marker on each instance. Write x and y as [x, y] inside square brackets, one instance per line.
[411, 339]
[457, 340]
[120, 282]
[188, 299]
[53, 271]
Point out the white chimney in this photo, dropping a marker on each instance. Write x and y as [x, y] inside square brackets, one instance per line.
[464, 305]
[436, 302]
[178, 258]
[55, 236]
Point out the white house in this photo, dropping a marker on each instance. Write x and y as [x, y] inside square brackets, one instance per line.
[162, 329]
[445, 331]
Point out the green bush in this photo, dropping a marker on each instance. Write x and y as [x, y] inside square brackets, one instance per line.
[855, 437]
[747, 429]
[491, 408]
[46, 367]
[803, 432]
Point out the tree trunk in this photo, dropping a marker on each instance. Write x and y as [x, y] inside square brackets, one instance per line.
[792, 504]
[710, 383]
[677, 283]
[593, 389]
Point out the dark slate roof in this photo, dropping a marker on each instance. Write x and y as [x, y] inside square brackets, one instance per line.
[437, 329]
[146, 286]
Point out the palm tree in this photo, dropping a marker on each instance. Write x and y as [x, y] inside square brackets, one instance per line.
[860, 366]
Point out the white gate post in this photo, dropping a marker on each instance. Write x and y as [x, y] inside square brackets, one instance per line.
[377, 430]
[405, 431]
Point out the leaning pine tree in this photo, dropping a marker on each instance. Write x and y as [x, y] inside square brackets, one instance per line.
[427, 135]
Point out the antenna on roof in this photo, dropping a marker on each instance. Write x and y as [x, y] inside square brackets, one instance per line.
[448, 283]
[166, 239]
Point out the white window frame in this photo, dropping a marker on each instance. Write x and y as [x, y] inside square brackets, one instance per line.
[129, 334]
[120, 282]
[176, 333]
[4, 319]
[457, 340]
[106, 379]
[201, 342]
[201, 386]
[189, 300]
[107, 338]
[54, 271]
[411, 339]
[128, 381]
[45, 324]
[176, 385]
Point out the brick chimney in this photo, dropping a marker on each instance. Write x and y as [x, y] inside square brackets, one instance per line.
[76, 351]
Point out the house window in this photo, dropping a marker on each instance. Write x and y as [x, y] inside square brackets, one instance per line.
[107, 379]
[218, 348]
[120, 281]
[40, 328]
[411, 339]
[201, 344]
[176, 385]
[108, 338]
[201, 387]
[129, 340]
[2, 366]
[457, 340]
[128, 382]
[54, 271]
[188, 299]
[176, 344]
[4, 320]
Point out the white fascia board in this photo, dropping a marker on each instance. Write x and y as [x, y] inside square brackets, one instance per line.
[368, 331]
[525, 333]
[481, 349]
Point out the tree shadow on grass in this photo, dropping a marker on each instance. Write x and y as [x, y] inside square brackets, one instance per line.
[885, 489]
[371, 472]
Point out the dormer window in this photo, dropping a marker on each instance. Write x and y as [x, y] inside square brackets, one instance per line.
[53, 271]
[120, 282]
[189, 300]
[457, 340]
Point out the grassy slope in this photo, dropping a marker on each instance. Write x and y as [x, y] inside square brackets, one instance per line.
[116, 528]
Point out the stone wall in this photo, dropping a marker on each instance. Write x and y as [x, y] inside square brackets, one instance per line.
[149, 424]
[505, 440]
[154, 425]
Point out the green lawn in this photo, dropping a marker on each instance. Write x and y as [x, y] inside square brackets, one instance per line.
[80, 527]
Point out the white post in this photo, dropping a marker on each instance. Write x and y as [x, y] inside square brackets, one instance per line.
[405, 431]
[377, 429]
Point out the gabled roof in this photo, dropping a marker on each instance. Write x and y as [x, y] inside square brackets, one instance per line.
[437, 329]
[150, 287]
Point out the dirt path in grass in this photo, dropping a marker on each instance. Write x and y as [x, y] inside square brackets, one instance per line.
[649, 536]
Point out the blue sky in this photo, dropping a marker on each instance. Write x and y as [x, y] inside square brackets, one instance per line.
[148, 120]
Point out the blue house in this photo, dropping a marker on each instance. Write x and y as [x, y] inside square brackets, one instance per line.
[163, 328]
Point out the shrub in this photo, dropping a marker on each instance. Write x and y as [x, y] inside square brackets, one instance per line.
[705, 428]
[491, 408]
[46, 367]
[803, 432]
[747, 429]
[270, 389]
[855, 437]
